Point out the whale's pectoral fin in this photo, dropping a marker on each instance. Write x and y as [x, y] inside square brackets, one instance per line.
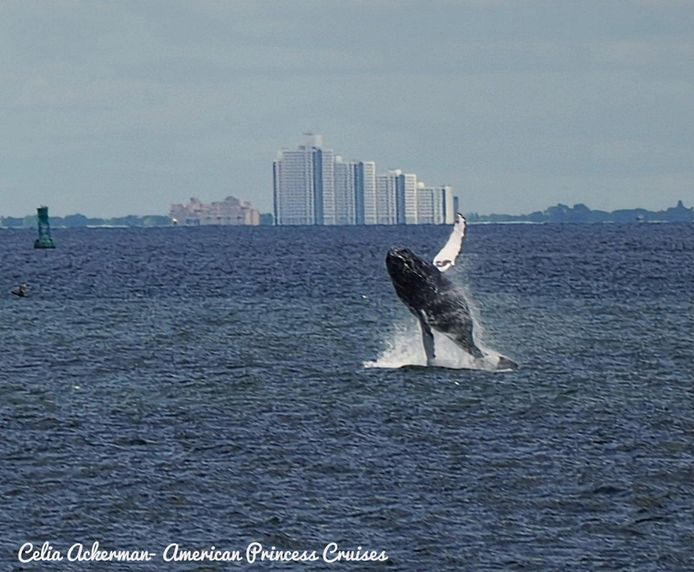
[448, 255]
[427, 340]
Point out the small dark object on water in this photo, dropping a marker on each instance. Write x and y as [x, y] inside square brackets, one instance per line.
[22, 290]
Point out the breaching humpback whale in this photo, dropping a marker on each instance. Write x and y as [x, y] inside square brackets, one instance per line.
[436, 302]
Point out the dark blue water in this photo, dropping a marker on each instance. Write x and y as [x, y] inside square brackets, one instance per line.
[207, 387]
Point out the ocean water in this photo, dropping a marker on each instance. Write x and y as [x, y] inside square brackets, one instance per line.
[220, 386]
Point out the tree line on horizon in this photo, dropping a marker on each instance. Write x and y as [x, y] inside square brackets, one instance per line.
[560, 213]
[580, 213]
[82, 221]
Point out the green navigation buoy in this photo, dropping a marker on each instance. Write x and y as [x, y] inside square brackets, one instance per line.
[44, 240]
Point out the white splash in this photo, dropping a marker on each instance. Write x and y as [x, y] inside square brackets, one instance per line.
[405, 348]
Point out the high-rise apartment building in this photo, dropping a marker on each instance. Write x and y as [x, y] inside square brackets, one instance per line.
[365, 193]
[396, 197]
[324, 185]
[345, 191]
[303, 184]
[386, 199]
[312, 185]
[406, 189]
[435, 205]
[293, 198]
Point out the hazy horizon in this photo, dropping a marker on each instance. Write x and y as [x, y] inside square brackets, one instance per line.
[110, 109]
[165, 214]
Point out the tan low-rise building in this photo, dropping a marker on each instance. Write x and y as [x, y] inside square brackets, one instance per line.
[230, 211]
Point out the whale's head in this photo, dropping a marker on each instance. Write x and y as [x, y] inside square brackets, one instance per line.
[414, 279]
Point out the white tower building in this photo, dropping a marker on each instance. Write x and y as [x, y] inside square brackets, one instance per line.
[345, 191]
[385, 199]
[365, 201]
[293, 188]
[435, 205]
[303, 184]
[406, 188]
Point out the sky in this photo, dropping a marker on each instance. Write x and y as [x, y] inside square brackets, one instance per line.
[115, 108]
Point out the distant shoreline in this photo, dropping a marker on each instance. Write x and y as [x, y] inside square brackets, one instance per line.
[475, 223]
[559, 214]
[581, 214]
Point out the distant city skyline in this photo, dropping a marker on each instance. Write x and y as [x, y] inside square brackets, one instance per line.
[312, 185]
[114, 108]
